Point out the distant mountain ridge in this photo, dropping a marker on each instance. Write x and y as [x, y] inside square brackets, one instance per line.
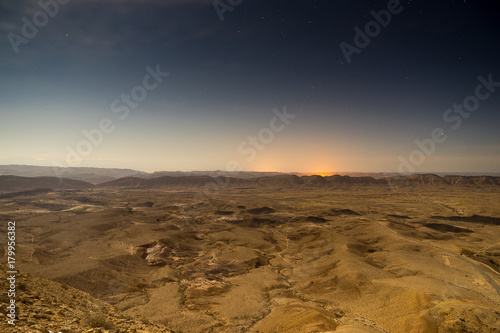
[17, 183]
[303, 181]
[90, 175]
[127, 178]
[102, 175]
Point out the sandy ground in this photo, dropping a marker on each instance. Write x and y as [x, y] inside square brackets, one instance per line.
[359, 259]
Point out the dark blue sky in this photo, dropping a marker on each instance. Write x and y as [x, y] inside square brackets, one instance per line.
[226, 78]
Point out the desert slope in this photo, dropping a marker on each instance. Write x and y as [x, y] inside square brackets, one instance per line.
[271, 259]
[44, 305]
[17, 183]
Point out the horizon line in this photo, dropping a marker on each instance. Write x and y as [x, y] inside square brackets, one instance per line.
[301, 173]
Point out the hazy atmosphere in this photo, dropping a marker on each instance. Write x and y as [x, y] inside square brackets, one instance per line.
[306, 86]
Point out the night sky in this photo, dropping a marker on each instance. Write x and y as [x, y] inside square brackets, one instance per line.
[167, 85]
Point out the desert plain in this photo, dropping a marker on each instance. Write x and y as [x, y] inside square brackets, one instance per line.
[265, 258]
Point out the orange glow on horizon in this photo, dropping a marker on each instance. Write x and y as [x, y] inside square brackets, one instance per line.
[322, 174]
[319, 169]
[300, 165]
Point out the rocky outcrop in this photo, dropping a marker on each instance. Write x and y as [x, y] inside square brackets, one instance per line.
[155, 254]
[43, 306]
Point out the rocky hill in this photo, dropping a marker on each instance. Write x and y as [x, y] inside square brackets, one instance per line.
[432, 179]
[44, 306]
[91, 175]
[18, 183]
[304, 181]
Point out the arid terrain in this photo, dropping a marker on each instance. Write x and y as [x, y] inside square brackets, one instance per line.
[274, 255]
